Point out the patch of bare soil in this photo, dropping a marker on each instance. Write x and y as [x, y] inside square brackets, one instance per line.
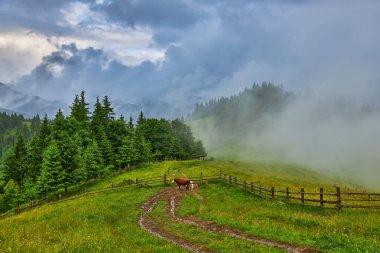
[155, 228]
[174, 196]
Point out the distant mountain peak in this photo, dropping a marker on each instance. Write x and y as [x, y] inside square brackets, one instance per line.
[15, 101]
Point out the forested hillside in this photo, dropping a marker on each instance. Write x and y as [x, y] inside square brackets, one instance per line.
[224, 119]
[266, 123]
[82, 146]
[12, 125]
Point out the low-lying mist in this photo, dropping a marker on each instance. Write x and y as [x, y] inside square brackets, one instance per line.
[333, 135]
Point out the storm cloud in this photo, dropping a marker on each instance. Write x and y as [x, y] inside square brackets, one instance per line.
[165, 56]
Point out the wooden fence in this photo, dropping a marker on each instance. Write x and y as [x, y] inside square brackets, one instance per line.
[337, 199]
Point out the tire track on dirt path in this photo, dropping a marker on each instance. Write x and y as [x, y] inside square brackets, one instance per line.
[173, 196]
[154, 228]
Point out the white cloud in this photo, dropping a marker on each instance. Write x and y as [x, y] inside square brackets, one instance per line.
[20, 52]
[130, 46]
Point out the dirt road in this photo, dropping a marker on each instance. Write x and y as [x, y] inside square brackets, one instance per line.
[173, 197]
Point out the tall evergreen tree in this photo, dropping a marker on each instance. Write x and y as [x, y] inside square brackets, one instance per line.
[12, 195]
[130, 124]
[108, 110]
[116, 131]
[15, 165]
[128, 153]
[52, 177]
[141, 119]
[79, 108]
[92, 161]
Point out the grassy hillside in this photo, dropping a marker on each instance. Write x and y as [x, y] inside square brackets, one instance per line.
[108, 222]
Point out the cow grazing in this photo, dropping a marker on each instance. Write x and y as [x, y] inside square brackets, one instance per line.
[182, 182]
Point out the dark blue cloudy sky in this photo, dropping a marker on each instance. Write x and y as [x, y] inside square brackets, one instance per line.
[170, 54]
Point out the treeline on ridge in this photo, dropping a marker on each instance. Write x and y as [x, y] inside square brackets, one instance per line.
[84, 145]
[251, 105]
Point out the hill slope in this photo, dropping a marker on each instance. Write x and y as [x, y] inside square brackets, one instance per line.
[266, 123]
[109, 221]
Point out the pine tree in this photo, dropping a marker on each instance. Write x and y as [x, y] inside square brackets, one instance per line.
[75, 108]
[12, 196]
[105, 148]
[36, 147]
[130, 124]
[70, 158]
[79, 108]
[44, 132]
[92, 161]
[33, 160]
[97, 118]
[116, 131]
[68, 148]
[15, 165]
[199, 151]
[52, 177]
[108, 110]
[141, 119]
[128, 153]
[142, 148]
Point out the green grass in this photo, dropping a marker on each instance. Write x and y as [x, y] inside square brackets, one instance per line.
[217, 242]
[107, 222]
[330, 230]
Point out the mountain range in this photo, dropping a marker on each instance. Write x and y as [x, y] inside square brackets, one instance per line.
[13, 101]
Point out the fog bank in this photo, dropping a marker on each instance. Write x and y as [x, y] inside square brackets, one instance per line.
[331, 135]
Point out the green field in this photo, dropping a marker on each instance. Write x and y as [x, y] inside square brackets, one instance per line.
[108, 222]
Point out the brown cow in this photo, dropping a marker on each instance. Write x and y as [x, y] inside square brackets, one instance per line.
[182, 182]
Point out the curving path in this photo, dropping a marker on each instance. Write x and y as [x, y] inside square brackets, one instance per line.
[173, 196]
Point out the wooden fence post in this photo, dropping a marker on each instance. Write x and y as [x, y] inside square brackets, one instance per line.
[235, 180]
[272, 190]
[230, 179]
[220, 175]
[137, 181]
[302, 196]
[260, 190]
[287, 193]
[339, 199]
[245, 185]
[321, 196]
[251, 186]
[201, 177]
[165, 180]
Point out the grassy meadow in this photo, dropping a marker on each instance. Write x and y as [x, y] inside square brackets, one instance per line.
[108, 222]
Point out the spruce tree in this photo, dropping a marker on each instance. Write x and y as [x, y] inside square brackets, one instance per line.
[141, 119]
[128, 153]
[53, 175]
[15, 165]
[116, 132]
[130, 124]
[44, 132]
[108, 110]
[12, 195]
[92, 161]
[33, 160]
[79, 108]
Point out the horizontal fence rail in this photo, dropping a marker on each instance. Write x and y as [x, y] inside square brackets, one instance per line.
[336, 199]
[83, 191]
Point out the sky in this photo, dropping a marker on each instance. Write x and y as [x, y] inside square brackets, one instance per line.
[170, 54]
